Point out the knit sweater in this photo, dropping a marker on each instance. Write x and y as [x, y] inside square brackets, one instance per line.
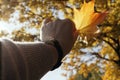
[26, 61]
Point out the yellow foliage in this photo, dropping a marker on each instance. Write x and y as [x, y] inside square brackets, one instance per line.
[83, 70]
[72, 78]
[71, 1]
[85, 20]
[112, 72]
[0, 1]
[107, 29]
[71, 56]
[108, 51]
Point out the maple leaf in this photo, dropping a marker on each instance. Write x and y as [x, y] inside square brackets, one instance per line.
[86, 19]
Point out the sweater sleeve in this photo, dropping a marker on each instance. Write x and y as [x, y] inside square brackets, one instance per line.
[26, 61]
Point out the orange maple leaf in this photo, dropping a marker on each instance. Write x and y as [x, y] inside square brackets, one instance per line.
[86, 19]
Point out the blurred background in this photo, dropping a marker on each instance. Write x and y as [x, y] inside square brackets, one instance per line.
[95, 57]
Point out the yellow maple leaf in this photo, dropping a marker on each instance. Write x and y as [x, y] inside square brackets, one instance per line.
[86, 19]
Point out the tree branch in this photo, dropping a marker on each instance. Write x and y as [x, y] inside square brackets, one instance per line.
[118, 48]
[99, 56]
[114, 48]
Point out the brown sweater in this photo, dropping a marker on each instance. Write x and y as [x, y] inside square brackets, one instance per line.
[26, 61]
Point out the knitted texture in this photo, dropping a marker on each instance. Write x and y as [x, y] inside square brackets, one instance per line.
[26, 61]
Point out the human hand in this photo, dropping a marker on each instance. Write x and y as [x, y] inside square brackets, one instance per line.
[63, 31]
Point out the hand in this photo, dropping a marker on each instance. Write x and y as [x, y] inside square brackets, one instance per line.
[63, 31]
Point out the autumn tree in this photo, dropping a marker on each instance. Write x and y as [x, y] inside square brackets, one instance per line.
[95, 57]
